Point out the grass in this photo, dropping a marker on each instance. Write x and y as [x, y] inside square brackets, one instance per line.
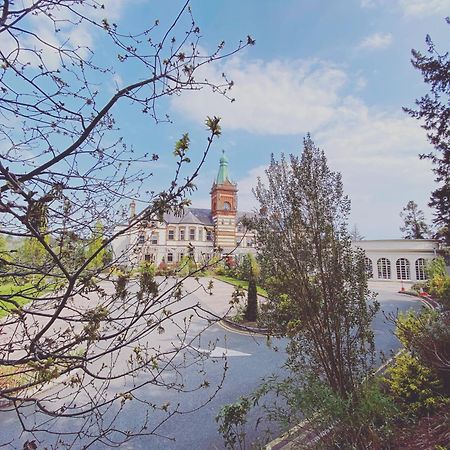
[25, 290]
[240, 283]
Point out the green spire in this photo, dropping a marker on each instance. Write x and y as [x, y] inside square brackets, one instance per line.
[223, 175]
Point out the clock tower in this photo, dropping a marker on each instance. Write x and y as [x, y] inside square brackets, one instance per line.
[224, 207]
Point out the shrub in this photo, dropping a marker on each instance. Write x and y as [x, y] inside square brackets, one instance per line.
[232, 419]
[414, 387]
[427, 335]
[439, 282]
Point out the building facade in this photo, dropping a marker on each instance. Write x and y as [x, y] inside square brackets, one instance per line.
[398, 259]
[200, 233]
[197, 232]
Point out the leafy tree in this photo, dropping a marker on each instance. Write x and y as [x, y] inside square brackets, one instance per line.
[96, 250]
[414, 226]
[318, 294]
[433, 110]
[355, 235]
[67, 163]
[438, 284]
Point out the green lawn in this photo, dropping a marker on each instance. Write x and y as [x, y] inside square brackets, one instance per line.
[8, 289]
[240, 283]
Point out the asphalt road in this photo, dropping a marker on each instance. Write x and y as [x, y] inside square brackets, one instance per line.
[248, 359]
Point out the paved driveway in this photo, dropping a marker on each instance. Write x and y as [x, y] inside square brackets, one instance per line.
[243, 359]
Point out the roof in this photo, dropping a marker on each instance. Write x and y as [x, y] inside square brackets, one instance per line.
[223, 176]
[201, 216]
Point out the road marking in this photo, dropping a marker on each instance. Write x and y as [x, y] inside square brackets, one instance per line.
[220, 352]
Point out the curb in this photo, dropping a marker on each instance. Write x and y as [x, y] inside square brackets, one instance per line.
[235, 327]
[427, 300]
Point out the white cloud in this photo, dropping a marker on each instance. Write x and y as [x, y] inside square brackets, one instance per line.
[376, 41]
[425, 7]
[368, 3]
[278, 97]
[80, 37]
[417, 8]
[375, 150]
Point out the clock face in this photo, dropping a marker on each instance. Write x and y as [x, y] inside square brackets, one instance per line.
[226, 206]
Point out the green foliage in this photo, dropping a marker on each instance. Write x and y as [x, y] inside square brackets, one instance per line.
[433, 111]
[439, 282]
[318, 292]
[232, 419]
[212, 124]
[33, 252]
[414, 387]
[414, 226]
[96, 249]
[147, 284]
[240, 283]
[13, 296]
[411, 325]
[251, 312]
[427, 335]
[121, 285]
[185, 266]
[248, 268]
[359, 421]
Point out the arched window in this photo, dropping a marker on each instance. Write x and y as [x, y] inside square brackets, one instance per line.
[420, 269]
[384, 268]
[369, 267]
[402, 265]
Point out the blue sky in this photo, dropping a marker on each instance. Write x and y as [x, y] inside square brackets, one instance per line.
[339, 69]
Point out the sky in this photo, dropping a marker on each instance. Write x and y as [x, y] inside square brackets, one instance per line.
[337, 69]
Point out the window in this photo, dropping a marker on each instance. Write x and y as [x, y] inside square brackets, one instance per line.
[182, 233]
[192, 234]
[209, 235]
[402, 266]
[154, 238]
[171, 235]
[249, 242]
[169, 257]
[226, 206]
[141, 239]
[180, 256]
[369, 267]
[149, 258]
[384, 268]
[200, 234]
[420, 269]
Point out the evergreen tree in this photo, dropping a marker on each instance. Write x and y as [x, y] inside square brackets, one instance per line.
[433, 110]
[251, 312]
[414, 226]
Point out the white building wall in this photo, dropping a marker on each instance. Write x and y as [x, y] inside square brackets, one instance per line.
[395, 249]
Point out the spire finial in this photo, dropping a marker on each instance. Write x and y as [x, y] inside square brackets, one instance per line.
[223, 175]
